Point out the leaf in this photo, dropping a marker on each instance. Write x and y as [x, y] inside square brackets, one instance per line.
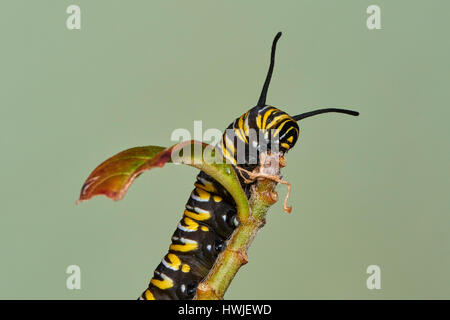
[114, 176]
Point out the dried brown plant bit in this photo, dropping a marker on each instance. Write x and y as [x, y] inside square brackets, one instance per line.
[258, 175]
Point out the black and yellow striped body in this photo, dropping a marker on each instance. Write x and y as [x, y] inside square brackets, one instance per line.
[210, 215]
[210, 218]
[208, 221]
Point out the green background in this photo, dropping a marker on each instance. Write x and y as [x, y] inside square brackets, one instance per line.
[367, 190]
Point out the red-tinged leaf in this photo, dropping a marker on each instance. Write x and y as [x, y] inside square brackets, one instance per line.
[114, 176]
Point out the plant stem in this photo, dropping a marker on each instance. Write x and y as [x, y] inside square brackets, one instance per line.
[263, 195]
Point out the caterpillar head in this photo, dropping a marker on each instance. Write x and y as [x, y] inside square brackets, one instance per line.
[264, 128]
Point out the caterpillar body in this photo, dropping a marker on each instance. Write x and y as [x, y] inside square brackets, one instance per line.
[210, 215]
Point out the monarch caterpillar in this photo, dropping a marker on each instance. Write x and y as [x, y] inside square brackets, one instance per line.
[210, 215]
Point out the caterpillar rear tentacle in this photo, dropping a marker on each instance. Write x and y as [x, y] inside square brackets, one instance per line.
[210, 215]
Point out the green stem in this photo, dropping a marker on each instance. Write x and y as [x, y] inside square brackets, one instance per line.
[214, 286]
